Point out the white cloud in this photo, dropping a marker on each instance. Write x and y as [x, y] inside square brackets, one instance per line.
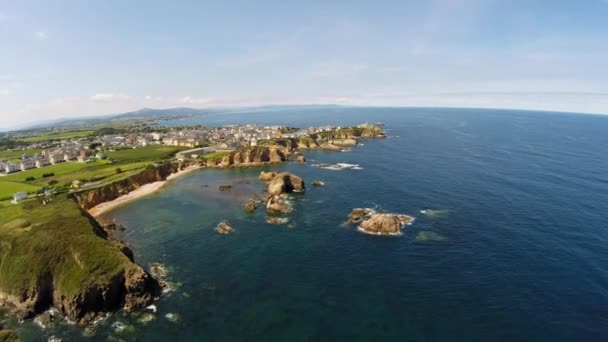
[109, 97]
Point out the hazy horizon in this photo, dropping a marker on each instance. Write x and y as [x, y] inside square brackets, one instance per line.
[66, 61]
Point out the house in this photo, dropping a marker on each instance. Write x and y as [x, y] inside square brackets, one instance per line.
[56, 158]
[67, 156]
[19, 196]
[27, 164]
[41, 162]
[10, 168]
[100, 155]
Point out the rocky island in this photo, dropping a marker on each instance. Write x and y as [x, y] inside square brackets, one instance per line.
[371, 222]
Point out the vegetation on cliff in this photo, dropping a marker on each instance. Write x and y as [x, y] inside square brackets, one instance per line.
[55, 255]
[8, 336]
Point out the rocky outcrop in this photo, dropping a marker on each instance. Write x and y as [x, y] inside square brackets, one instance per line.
[277, 205]
[285, 182]
[267, 176]
[359, 214]
[383, 224]
[344, 142]
[379, 223]
[224, 228]
[250, 156]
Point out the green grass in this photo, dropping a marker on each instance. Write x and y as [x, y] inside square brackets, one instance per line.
[148, 153]
[8, 189]
[14, 155]
[57, 169]
[47, 136]
[215, 155]
[55, 240]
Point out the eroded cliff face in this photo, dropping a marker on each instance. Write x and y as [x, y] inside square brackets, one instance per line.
[250, 156]
[87, 199]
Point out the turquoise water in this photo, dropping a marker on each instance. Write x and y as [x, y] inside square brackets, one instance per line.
[513, 248]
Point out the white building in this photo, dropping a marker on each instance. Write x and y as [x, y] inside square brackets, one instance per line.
[10, 168]
[27, 164]
[20, 196]
[40, 162]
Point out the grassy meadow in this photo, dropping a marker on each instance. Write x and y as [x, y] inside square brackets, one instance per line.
[119, 164]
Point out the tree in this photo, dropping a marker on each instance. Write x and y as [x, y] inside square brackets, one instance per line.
[118, 170]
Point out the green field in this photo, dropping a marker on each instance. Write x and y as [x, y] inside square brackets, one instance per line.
[129, 161]
[56, 239]
[8, 189]
[14, 155]
[46, 136]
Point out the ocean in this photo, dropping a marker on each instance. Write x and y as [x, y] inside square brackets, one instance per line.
[510, 241]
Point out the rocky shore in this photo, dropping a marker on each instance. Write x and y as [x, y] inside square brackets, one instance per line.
[86, 274]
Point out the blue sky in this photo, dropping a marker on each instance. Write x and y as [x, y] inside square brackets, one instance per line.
[79, 58]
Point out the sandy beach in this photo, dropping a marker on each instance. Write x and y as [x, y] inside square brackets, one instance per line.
[140, 192]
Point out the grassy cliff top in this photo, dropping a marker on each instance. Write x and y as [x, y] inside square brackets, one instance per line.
[54, 241]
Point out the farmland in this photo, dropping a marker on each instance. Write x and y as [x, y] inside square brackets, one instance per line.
[119, 164]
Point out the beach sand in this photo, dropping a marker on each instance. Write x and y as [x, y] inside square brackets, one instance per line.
[140, 192]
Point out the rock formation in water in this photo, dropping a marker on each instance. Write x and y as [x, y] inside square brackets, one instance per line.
[357, 215]
[317, 183]
[285, 182]
[224, 228]
[267, 176]
[379, 223]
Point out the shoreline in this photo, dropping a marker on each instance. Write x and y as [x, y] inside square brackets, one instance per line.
[142, 191]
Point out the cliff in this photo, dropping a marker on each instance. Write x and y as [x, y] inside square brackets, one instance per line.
[249, 156]
[55, 255]
[330, 140]
[87, 199]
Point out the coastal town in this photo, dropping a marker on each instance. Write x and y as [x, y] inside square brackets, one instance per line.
[200, 141]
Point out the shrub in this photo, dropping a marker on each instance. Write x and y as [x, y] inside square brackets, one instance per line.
[45, 175]
[53, 182]
[118, 170]
[30, 178]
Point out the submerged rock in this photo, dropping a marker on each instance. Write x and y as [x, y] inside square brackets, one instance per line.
[317, 183]
[277, 220]
[224, 228]
[172, 317]
[300, 159]
[428, 236]
[225, 187]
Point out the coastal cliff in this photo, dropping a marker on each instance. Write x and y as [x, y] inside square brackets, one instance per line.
[55, 255]
[87, 199]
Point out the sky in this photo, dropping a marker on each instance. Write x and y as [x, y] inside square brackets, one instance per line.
[63, 59]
